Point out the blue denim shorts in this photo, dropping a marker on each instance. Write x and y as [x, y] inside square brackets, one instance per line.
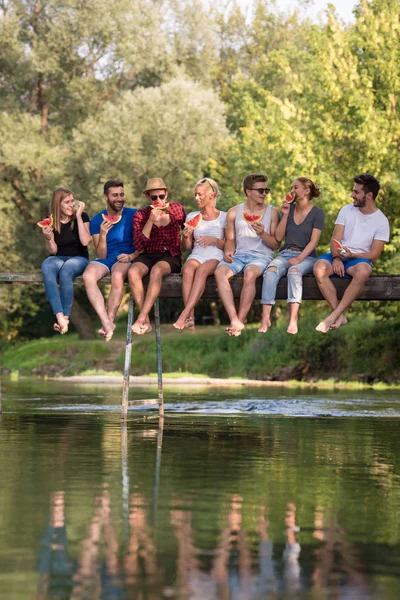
[242, 261]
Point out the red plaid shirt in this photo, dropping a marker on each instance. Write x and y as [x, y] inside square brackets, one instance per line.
[162, 239]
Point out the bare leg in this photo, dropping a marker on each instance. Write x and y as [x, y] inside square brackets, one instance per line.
[92, 274]
[160, 270]
[136, 274]
[266, 318]
[251, 274]
[222, 276]
[294, 308]
[322, 272]
[188, 274]
[199, 283]
[360, 274]
[118, 276]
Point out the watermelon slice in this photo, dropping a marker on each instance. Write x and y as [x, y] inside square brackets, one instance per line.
[290, 198]
[338, 246]
[48, 222]
[113, 219]
[195, 222]
[161, 205]
[252, 218]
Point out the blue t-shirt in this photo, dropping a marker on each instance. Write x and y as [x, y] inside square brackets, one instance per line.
[120, 236]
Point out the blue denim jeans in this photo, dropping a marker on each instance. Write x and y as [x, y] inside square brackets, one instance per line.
[63, 268]
[294, 275]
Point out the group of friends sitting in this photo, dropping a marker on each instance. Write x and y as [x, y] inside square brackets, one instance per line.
[133, 243]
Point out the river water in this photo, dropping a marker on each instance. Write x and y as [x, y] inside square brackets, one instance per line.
[244, 493]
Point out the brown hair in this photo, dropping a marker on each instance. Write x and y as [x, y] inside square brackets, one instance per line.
[369, 183]
[315, 192]
[253, 178]
[58, 197]
[112, 183]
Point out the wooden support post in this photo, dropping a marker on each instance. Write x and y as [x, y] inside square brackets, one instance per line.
[127, 365]
[159, 359]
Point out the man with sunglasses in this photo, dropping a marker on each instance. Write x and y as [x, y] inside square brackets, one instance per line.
[249, 248]
[156, 234]
[115, 251]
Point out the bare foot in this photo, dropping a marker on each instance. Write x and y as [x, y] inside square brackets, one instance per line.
[265, 325]
[235, 329]
[180, 322]
[101, 331]
[141, 326]
[325, 325]
[189, 323]
[108, 333]
[292, 328]
[62, 324]
[339, 322]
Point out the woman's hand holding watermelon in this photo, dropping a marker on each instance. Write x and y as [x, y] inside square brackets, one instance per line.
[48, 233]
[80, 209]
[187, 231]
[285, 208]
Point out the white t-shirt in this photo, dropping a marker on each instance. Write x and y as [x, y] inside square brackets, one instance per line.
[361, 230]
[247, 240]
[214, 228]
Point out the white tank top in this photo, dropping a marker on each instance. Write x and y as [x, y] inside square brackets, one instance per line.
[247, 241]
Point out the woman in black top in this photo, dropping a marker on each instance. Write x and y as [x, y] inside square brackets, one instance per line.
[66, 241]
[301, 226]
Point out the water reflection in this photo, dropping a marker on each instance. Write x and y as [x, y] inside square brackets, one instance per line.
[198, 508]
[243, 563]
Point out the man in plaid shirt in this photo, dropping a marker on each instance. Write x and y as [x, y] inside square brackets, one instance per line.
[156, 234]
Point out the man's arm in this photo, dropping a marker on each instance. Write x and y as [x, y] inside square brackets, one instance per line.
[141, 230]
[175, 214]
[230, 237]
[100, 239]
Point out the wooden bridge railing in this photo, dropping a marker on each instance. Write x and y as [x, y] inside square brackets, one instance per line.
[378, 287]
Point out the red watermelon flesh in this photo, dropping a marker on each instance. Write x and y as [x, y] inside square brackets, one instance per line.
[161, 205]
[195, 222]
[114, 219]
[290, 198]
[48, 222]
[252, 218]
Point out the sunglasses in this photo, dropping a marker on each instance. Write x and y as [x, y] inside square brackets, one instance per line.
[160, 196]
[261, 190]
[206, 180]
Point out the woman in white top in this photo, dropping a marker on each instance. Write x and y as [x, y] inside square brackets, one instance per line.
[207, 242]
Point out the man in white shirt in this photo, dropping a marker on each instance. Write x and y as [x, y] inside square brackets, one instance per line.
[362, 229]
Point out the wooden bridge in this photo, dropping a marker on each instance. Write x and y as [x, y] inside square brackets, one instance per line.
[378, 287]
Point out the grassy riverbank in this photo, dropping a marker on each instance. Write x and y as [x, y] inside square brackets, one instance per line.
[359, 352]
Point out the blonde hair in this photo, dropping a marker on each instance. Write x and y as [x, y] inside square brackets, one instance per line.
[55, 204]
[212, 183]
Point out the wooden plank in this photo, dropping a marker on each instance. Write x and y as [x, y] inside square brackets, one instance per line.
[378, 287]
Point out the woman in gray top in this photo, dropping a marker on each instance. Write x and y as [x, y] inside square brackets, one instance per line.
[301, 225]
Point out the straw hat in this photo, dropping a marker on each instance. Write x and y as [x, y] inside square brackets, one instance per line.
[156, 183]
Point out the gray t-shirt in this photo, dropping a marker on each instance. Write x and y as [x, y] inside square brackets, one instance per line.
[298, 236]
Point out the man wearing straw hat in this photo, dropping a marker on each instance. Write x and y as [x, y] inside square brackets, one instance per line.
[156, 234]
